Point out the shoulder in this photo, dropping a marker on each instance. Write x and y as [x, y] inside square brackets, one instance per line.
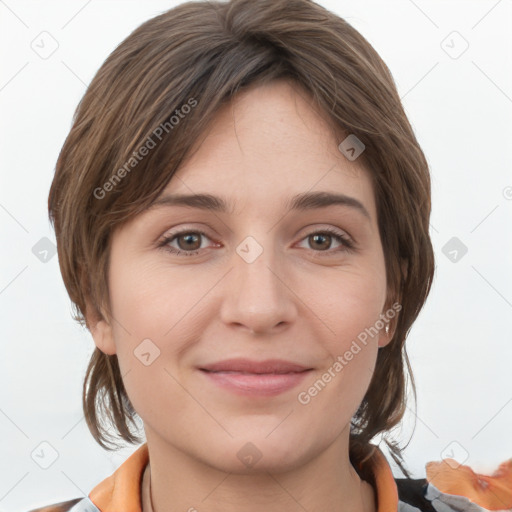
[450, 486]
[62, 506]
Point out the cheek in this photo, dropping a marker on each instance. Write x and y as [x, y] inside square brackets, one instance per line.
[147, 299]
[156, 311]
[148, 315]
[352, 306]
[349, 303]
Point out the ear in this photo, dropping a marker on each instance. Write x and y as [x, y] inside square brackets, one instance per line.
[392, 300]
[385, 338]
[100, 328]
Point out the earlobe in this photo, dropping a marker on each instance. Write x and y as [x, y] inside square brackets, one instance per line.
[101, 331]
[103, 339]
[388, 331]
[385, 337]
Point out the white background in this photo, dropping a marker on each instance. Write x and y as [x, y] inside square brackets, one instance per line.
[461, 345]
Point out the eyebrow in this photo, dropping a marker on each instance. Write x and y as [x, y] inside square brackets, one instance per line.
[299, 202]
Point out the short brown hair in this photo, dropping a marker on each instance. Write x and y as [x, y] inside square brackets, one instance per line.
[201, 54]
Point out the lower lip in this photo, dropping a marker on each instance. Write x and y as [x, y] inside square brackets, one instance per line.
[262, 384]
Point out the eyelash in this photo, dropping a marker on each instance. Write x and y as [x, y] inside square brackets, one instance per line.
[347, 244]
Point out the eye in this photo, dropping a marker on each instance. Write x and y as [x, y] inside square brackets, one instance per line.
[189, 242]
[323, 241]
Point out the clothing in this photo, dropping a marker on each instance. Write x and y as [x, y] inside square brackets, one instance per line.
[457, 488]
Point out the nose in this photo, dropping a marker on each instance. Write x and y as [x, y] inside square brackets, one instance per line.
[258, 295]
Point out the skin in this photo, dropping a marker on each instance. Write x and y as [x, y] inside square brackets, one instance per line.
[300, 300]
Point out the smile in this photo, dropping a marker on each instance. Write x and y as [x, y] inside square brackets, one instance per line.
[256, 384]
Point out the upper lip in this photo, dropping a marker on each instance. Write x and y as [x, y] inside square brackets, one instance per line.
[250, 366]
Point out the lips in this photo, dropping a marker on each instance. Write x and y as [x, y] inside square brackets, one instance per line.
[247, 366]
[256, 379]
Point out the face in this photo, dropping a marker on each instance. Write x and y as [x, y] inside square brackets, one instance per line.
[260, 280]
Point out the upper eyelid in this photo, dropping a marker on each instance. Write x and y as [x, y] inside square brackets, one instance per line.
[167, 236]
[310, 228]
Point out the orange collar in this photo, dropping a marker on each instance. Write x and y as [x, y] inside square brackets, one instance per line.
[122, 489]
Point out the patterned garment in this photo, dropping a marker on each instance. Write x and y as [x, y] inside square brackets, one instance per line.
[449, 487]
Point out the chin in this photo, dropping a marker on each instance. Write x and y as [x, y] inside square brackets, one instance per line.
[249, 455]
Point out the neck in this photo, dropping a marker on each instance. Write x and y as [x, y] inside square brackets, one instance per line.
[175, 482]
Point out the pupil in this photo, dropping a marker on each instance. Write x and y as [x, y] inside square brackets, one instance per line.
[316, 237]
[190, 238]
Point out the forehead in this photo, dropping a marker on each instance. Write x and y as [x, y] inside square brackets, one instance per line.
[266, 147]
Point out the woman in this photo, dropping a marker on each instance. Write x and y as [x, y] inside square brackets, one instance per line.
[242, 220]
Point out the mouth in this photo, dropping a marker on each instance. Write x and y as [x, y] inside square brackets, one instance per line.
[251, 378]
[247, 366]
